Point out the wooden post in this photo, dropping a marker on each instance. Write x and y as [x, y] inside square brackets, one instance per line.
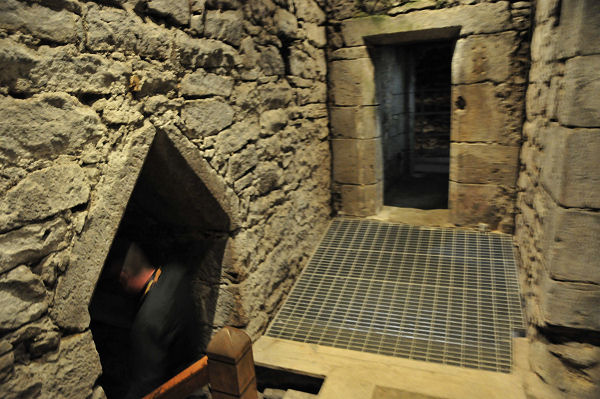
[231, 365]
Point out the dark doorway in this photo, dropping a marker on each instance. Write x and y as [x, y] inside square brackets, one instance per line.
[174, 217]
[413, 91]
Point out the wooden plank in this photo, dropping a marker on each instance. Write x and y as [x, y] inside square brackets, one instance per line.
[183, 384]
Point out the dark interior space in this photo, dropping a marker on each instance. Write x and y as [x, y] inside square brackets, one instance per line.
[413, 88]
[174, 218]
[267, 377]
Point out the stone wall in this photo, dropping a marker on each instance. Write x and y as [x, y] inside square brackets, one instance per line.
[235, 88]
[489, 69]
[558, 221]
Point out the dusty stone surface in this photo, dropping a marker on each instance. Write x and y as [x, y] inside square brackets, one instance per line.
[578, 105]
[480, 114]
[226, 26]
[348, 153]
[562, 297]
[569, 171]
[578, 24]
[69, 188]
[570, 256]
[206, 117]
[59, 26]
[44, 126]
[483, 163]
[23, 296]
[483, 58]
[31, 243]
[178, 11]
[60, 69]
[354, 122]
[557, 365]
[204, 84]
[363, 200]
[352, 82]
[70, 375]
[556, 224]
[471, 204]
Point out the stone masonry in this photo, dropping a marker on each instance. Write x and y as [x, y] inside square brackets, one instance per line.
[488, 91]
[236, 87]
[237, 99]
[558, 223]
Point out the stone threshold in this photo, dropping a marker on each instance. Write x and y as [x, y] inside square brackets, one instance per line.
[359, 375]
[413, 216]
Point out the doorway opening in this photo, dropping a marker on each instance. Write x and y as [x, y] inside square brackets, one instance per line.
[173, 217]
[413, 87]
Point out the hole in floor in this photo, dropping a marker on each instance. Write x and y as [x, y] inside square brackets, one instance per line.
[270, 378]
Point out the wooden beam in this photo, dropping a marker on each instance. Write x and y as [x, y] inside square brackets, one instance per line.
[183, 384]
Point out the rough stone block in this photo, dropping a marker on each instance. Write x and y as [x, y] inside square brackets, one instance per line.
[176, 10]
[44, 126]
[206, 117]
[556, 364]
[44, 193]
[275, 95]
[570, 169]
[308, 62]
[309, 11]
[476, 19]
[57, 26]
[361, 200]
[315, 34]
[480, 115]
[350, 53]
[285, 23]
[113, 29]
[357, 161]
[60, 69]
[471, 204]
[201, 83]
[569, 304]
[484, 58]
[270, 61]
[31, 243]
[544, 43]
[579, 22]
[354, 122]
[226, 26]
[352, 82]
[579, 103]
[484, 163]
[23, 298]
[574, 250]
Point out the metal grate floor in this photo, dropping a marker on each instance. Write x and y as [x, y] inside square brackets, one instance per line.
[442, 295]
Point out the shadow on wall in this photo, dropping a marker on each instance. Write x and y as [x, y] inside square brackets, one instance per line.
[174, 217]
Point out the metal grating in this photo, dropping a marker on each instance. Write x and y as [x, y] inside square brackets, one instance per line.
[442, 295]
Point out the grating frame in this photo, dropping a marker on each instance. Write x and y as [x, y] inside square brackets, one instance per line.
[435, 294]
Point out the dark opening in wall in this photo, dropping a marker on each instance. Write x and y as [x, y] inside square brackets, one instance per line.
[173, 216]
[413, 84]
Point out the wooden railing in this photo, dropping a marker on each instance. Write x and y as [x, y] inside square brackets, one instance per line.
[228, 367]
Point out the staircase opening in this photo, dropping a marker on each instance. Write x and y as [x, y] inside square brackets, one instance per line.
[413, 88]
[174, 217]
